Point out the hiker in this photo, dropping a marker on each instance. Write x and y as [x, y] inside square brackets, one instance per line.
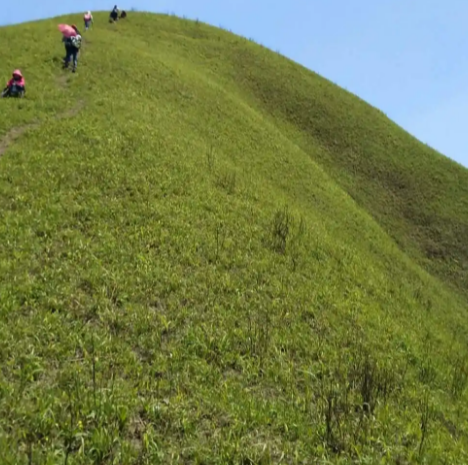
[88, 19]
[72, 48]
[114, 14]
[15, 86]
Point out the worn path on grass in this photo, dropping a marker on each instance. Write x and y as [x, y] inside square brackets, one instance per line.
[14, 133]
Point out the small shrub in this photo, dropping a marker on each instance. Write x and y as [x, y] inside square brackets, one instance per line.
[210, 158]
[296, 242]
[427, 371]
[220, 237]
[227, 181]
[425, 410]
[459, 377]
[281, 229]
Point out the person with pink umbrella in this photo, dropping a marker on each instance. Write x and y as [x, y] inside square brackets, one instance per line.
[72, 41]
[67, 32]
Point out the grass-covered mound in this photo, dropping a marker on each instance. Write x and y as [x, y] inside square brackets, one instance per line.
[212, 255]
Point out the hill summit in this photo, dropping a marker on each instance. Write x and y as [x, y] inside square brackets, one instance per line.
[211, 254]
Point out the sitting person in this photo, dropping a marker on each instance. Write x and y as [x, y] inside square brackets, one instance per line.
[15, 86]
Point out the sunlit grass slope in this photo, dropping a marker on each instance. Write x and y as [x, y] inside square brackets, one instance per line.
[211, 255]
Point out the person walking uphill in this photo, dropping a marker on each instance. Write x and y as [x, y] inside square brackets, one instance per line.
[114, 14]
[72, 48]
[16, 86]
[88, 20]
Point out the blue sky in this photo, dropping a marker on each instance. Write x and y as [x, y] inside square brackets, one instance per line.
[406, 57]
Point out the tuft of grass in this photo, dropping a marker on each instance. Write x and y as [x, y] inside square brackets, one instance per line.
[281, 230]
[227, 180]
[212, 255]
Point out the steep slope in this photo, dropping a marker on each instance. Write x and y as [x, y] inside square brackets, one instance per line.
[190, 273]
[417, 195]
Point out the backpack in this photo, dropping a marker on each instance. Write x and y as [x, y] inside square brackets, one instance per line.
[76, 41]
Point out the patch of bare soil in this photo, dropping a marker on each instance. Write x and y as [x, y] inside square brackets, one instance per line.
[14, 133]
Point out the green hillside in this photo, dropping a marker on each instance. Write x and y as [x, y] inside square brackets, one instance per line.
[212, 255]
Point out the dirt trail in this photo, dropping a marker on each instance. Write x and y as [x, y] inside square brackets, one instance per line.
[14, 133]
[73, 111]
[62, 80]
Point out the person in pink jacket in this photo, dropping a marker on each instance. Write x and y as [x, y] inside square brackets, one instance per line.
[16, 86]
[88, 19]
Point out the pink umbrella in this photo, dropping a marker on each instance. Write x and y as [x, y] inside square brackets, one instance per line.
[67, 30]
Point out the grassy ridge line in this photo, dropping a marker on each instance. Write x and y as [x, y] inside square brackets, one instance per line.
[153, 315]
[425, 212]
[418, 195]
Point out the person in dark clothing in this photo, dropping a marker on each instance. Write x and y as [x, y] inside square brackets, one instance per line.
[16, 86]
[114, 14]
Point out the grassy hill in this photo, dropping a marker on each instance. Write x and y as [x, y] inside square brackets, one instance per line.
[212, 255]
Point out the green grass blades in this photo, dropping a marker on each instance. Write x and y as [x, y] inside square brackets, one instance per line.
[211, 255]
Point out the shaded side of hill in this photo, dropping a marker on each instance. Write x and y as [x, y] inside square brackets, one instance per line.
[419, 196]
